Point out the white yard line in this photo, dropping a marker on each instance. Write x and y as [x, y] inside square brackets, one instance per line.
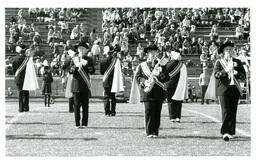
[240, 131]
[13, 120]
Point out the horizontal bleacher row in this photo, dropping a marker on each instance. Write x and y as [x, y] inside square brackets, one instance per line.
[93, 19]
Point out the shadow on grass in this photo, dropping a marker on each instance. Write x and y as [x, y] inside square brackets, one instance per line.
[40, 137]
[239, 138]
[40, 112]
[7, 116]
[131, 128]
[210, 122]
[33, 123]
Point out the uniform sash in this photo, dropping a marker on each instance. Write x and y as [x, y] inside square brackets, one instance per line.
[22, 66]
[176, 70]
[147, 72]
[108, 71]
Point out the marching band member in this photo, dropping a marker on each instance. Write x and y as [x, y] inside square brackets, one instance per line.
[25, 76]
[110, 68]
[228, 70]
[154, 98]
[176, 86]
[47, 81]
[81, 66]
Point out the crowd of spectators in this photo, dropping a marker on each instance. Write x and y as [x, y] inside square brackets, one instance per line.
[172, 29]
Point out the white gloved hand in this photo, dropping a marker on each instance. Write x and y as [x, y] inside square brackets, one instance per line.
[84, 62]
[147, 83]
[79, 64]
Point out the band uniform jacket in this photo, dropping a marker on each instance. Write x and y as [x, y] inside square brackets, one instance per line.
[104, 64]
[172, 83]
[157, 93]
[78, 84]
[223, 82]
[19, 79]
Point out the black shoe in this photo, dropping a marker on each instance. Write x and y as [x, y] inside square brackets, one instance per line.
[113, 114]
[226, 137]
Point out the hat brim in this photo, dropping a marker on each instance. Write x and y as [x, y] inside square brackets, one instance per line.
[225, 45]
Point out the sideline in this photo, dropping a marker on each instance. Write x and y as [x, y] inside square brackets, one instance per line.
[240, 131]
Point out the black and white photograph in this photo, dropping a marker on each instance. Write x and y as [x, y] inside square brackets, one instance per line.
[127, 79]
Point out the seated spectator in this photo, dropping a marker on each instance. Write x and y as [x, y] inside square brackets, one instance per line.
[93, 36]
[75, 33]
[55, 65]
[220, 18]
[213, 49]
[13, 19]
[194, 46]
[115, 17]
[106, 15]
[193, 29]
[27, 32]
[186, 23]
[64, 27]
[239, 32]
[75, 14]
[32, 12]
[62, 14]
[184, 33]
[124, 44]
[8, 66]
[140, 49]
[204, 59]
[50, 35]
[96, 51]
[34, 28]
[142, 32]
[21, 15]
[246, 31]
[37, 38]
[51, 19]
[186, 48]
[116, 42]
[127, 65]
[237, 15]
[158, 14]
[107, 37]
[41, 15]
[68, 46]
[214, 33]
[200, 44]
[205, 48]
[38, 65]
[177, 45]
[57, 35]
[68, 14]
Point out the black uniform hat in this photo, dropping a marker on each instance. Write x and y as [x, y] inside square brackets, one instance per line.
[226, 44]
[151, 48]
